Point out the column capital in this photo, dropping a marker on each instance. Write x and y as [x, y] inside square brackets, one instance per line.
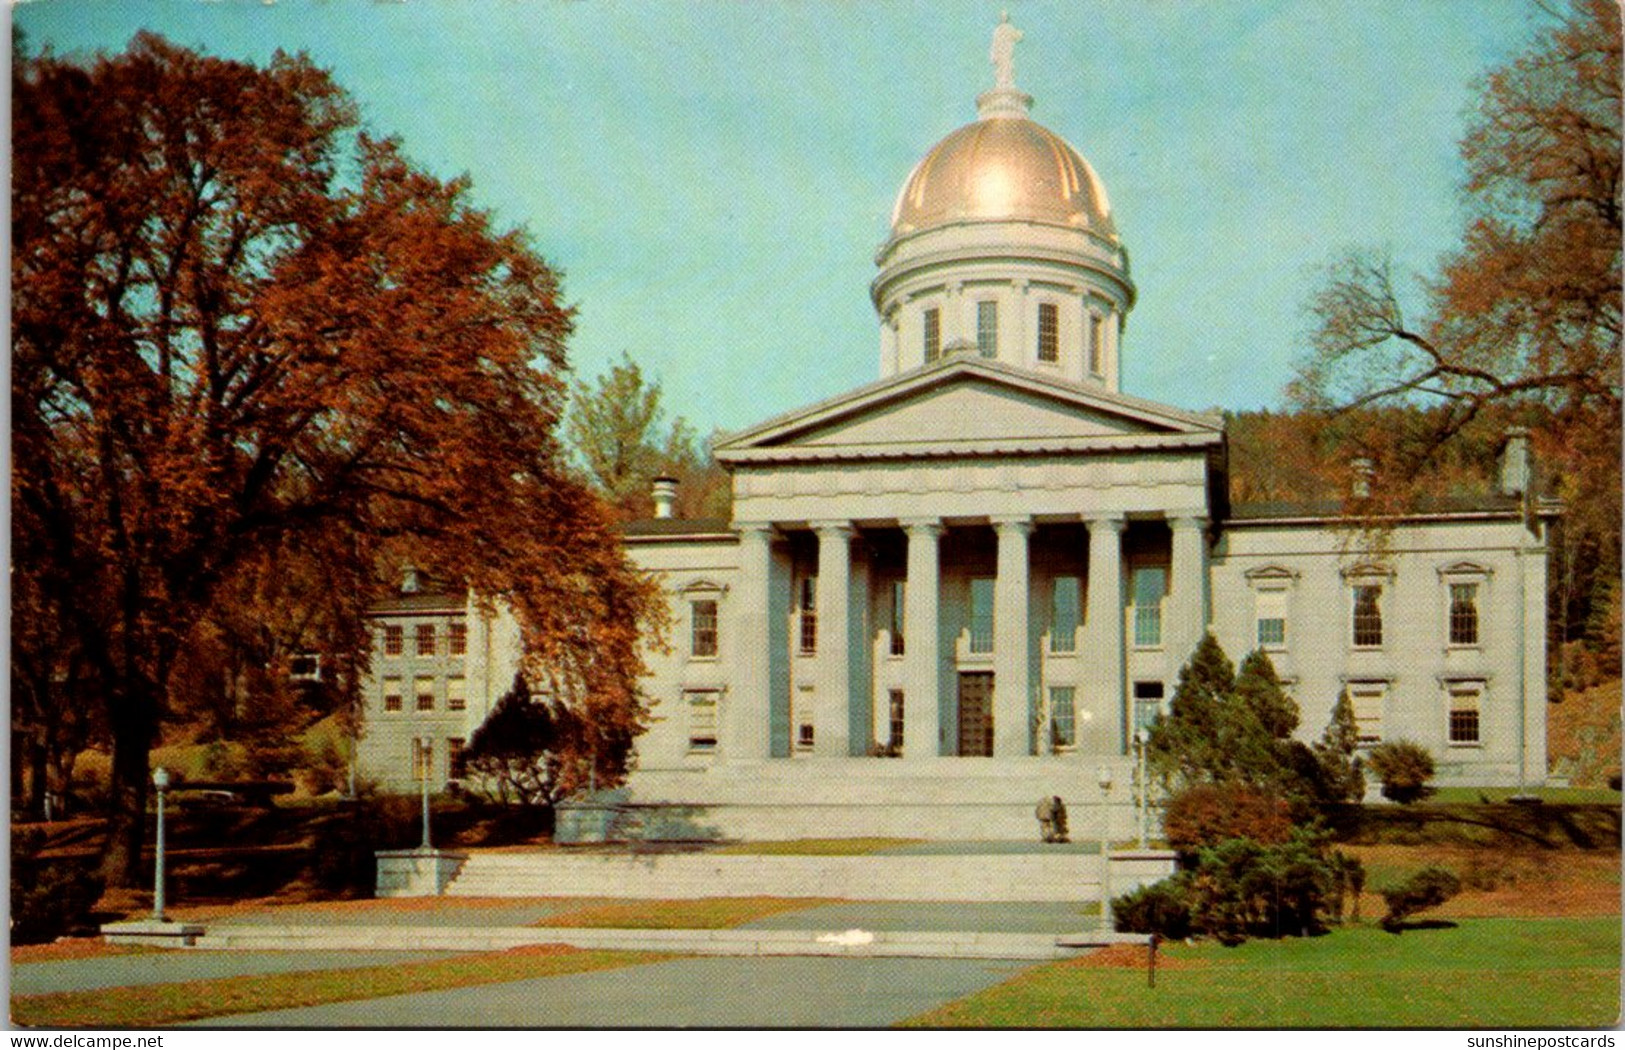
[833, 529]
[923, 526]
[754, 529]
[1180, 522]
[1114, 522]
[1013, 525]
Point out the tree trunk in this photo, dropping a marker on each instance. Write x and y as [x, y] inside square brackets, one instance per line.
[127, 794]
[38, 754]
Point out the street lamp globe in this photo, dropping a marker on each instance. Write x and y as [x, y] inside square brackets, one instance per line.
[160, 778]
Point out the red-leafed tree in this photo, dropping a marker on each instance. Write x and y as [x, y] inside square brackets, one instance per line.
[242, 327]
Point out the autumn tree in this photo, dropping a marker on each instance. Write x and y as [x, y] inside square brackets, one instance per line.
[241, 327]
[1521, 324]
[618, 432]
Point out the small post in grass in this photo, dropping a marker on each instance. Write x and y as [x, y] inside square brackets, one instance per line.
[1151, 962]
[160, 780]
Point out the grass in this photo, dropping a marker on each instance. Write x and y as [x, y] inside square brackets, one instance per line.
[1514, 883]
[706, 913]
[1572, 796]
[814, 847]
[1501, 973]
[168, 1004]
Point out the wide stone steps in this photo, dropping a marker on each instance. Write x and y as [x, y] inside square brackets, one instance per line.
[1037, 876]
[944, 799]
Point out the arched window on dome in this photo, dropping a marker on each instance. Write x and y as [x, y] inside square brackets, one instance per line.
[1049, 333]
[1097, 349]
[987, 328]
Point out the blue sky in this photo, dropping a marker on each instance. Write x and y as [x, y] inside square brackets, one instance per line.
[714, 177]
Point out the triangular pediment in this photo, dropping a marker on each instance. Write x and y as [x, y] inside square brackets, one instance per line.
[970, 406]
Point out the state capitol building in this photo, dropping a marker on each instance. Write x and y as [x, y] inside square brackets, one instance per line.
[966, 585]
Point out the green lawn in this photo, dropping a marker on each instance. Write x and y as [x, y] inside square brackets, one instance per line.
[1547, 795]
[701, 913]
[1502, 973]
[813, 847]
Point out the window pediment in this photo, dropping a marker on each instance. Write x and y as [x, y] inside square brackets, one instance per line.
[1368, 570]
[702, 588]
[1465, 569]
[1271, 577]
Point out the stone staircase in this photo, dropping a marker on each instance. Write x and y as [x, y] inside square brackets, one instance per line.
[944, 799]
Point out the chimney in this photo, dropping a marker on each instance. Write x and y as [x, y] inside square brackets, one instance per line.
[409, 579]
[1515, 466]
[665, 496]
[1364, 471]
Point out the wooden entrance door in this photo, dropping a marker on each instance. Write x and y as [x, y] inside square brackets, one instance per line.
[976, 713]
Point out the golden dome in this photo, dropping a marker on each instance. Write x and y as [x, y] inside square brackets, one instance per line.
[1003, 168]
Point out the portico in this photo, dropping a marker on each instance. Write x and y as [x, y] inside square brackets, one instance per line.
[891, 609]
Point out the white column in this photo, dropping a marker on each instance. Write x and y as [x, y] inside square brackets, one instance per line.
[1012, 646]
[1102, 686]
[1187, 590]
[747, 705]
[922, 643]
[834, 639]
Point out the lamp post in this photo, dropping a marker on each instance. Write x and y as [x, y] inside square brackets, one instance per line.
[1142, 739]
[160, 780]
[425, 764]
[1105, 847]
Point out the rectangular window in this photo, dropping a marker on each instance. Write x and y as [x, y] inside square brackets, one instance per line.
[425, 693]
[1465, 701]
[932, 334]
[1097, 329]
[1062, 717]
[804, 737]
[392, 694]
[422, 759]
[809, 615]
[1464, 614]
[1368, 615]
[1150, 587]
[305, 667]
[899, 607]
[1269, 608]
[1063, 617]
[457, 639]
[456, 693]
[895, 710]
[1368, 699]
[703, 633]
[425, 639]
[456, 761]
[702, 721]
[394, 639]
[1147, 704]
[981, 615]
[987, 328]
[1049, 333]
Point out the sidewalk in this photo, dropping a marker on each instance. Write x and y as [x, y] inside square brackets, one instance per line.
[917, 929]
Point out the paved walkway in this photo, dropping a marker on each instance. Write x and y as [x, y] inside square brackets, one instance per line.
[681, 993]
[165, 967]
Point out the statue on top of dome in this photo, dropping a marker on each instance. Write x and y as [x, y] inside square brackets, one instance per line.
[1003, 52]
